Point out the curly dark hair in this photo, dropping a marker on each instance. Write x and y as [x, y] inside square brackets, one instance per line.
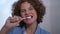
[38, 6]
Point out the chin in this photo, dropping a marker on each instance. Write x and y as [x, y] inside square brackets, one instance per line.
[29, 22]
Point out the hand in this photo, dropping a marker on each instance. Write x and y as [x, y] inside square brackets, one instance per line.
[13, 21]
[10, 23]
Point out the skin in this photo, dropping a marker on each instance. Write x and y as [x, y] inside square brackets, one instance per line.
[10, 23]
[26, 10]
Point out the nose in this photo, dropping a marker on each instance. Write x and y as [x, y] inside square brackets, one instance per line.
[27, 12]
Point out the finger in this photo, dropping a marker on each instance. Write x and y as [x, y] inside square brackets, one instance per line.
[8, 19]
[16, 23]
[16, 18]
[21, 18]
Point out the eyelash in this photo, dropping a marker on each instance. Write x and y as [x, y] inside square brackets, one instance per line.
[25, 10]
[30, 9]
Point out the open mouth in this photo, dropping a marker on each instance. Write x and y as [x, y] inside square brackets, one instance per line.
[29, 17]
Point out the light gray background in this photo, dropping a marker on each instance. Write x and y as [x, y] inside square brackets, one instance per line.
[52, 18]
[51, 21]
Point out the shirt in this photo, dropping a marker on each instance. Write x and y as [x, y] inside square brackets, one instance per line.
[19, 30]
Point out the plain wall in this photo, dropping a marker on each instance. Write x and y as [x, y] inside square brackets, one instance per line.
[55, 16]
[51, 20]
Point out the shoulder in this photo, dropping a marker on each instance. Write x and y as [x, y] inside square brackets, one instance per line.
[41, 31]
[15, 30]
[44, 31]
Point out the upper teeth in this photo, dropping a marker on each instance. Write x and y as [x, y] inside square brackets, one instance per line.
[28, 17]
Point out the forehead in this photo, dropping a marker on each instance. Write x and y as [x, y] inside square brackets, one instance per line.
[25, 5]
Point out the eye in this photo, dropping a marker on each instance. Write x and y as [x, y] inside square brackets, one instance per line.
[30, 8]
[23, 11]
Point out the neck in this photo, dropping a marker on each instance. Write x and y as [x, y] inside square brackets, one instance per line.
[31, 28]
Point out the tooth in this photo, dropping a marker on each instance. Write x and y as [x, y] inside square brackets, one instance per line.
[28, 17]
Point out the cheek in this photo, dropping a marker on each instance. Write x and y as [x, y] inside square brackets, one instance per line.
[35, 13]
[22, 14]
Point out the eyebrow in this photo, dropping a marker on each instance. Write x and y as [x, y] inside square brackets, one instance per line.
[29, 7]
